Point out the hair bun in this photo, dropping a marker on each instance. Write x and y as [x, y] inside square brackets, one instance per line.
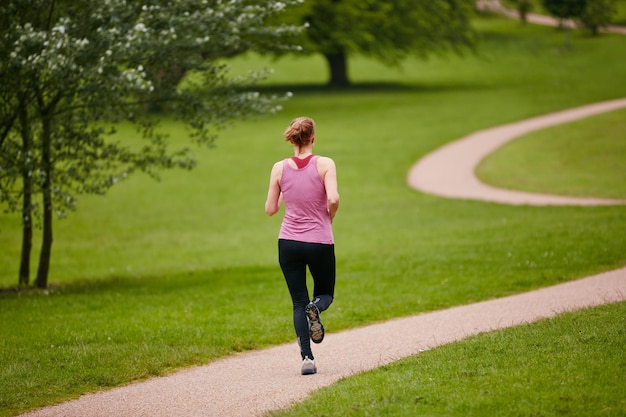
[300, 131]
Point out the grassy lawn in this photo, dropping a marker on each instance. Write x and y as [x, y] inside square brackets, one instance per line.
[161, 275]
[620, 18]
[583, 158]
[555, 367]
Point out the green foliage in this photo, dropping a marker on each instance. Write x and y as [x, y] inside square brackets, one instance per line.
[598, 14]
[86, 65]
[565, 9]
[620, 18]
[523, 8]
[78, 68]
[388, 31]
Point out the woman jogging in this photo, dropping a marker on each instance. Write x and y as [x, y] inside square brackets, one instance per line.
[307, 183]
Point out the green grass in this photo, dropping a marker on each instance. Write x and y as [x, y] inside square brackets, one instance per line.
[583, 158]
[105, 333]
[571, 365]
[620, 17]
[157, 276]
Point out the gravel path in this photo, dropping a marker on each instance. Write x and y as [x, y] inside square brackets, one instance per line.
[253, 383]
[450, 170]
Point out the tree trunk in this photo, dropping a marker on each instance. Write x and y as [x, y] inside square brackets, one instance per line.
[27, 199]
[338, 66]
[523, 7]
[46, 245]
[27, 235]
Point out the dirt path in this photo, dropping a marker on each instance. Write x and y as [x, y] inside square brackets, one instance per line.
[450, 170]
[253, 383]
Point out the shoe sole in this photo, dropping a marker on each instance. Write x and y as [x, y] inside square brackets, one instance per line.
[316, 329]
[309, 371]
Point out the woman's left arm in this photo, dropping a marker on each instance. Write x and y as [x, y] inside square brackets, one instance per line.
[274, 196]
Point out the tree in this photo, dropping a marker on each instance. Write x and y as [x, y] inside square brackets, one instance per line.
[565, 9]
[73, 69]
[598, 14]
[523, 7]
[385, 30]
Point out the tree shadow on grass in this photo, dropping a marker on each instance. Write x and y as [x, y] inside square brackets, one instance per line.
[368, 88]
[208, 280]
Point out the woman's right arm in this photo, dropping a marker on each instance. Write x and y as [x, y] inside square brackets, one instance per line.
[273, 201]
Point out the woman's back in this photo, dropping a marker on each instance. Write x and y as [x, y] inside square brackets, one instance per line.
[306, 205]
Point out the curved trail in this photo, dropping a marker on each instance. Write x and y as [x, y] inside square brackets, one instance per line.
[253, 383]
[450, 170]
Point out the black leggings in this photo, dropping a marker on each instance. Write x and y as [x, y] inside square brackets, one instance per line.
[294, 257]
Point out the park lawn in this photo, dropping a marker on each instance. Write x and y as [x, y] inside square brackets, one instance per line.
[620, 18]
[583, 158]
[570, 365]
[160, 275]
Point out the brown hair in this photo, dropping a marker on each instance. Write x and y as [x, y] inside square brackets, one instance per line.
[300, 131]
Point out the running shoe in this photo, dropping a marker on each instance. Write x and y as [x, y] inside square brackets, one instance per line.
[316, 329]
[308, 366]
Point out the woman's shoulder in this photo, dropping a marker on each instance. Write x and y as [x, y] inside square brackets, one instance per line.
[277, 168]
[324, 161]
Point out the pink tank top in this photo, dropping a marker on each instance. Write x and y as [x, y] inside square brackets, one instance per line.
[306, 205]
